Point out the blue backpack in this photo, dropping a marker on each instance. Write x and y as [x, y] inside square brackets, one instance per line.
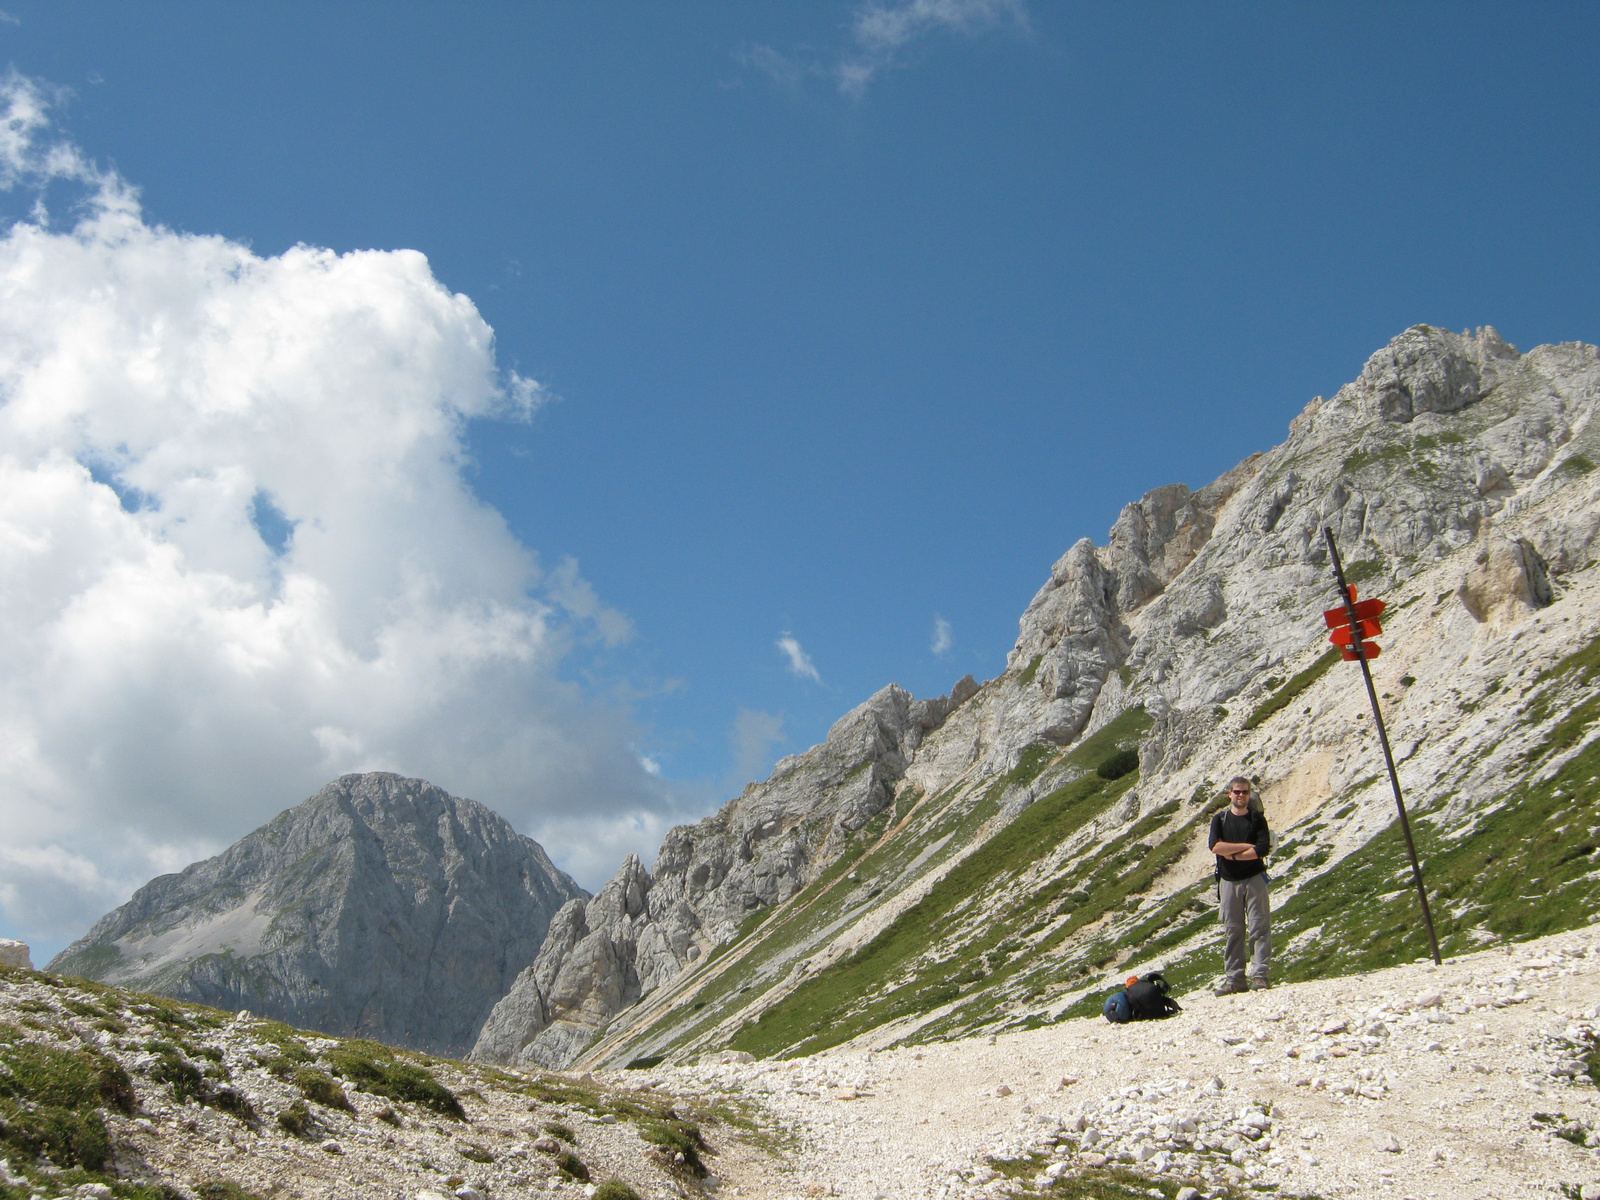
[1146, 998]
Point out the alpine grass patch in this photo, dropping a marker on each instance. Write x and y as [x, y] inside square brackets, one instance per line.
[374, 1068]
[1289, 692]
[678, 1137]
[296, 1120]
[223, 1189]
[833, 1005]
[572, 1166]
[50, 1100]
[321, 1087]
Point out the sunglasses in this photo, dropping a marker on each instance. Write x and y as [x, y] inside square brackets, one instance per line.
[1238, 791]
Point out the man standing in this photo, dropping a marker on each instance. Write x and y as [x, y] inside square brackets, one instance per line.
[1240, 840]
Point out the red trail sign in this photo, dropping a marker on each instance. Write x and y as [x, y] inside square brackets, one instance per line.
[1352, 623]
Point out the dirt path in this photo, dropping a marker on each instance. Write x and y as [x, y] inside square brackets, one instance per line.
[1410, 1082]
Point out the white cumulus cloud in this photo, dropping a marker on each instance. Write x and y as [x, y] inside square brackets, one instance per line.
[800, 663]
[784, 71]
[240, 557]
[883, 29]
[942, 639]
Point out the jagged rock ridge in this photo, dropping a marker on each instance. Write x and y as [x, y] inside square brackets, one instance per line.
[761, 849]
[381, 907]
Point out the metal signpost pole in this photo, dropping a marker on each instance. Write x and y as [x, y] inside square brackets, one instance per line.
[1360, 648]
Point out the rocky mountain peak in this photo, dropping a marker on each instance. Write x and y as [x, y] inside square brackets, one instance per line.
[381, 906]
[1429, 370]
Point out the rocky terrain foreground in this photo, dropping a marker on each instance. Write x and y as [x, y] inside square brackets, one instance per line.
[1470, 1080]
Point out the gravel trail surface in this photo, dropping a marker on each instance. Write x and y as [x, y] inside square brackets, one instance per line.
[1467, 1080]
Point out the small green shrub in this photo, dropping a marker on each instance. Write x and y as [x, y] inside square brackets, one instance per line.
[280, 1065]
[285, 1037]
[179, 1073]
[1578, 464]
[1032, 669]
[572, 1166]
[1115, 766]
[1291, 691]
[680, 1137]
[645, 1063]
[296, 1119]
[235, 1103]
[163, 1012]
[224, 1189]
[321, 1087]
[373, 1068]
[561, 1131]
[615, 1189]
[389, 1117]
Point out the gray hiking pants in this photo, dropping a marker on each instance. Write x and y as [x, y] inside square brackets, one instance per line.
[1245, 905]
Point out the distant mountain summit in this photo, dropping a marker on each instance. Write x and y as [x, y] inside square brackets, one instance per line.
[381, 907]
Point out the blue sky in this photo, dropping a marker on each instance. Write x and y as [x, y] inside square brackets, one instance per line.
[852, 317]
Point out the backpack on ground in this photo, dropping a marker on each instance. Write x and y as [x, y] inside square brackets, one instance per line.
[1146, 998]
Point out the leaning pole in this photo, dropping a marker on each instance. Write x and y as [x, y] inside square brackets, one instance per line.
[1351, 627]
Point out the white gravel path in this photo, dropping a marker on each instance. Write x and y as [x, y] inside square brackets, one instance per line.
[1411, 1082]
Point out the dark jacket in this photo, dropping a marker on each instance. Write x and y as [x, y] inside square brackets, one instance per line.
[1252, 828]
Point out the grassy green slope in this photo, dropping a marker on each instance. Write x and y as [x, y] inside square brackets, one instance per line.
[915, 840]
[972, 934]
[1525, 867]
[1023, 927]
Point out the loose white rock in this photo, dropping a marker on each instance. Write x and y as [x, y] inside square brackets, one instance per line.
[14, 954]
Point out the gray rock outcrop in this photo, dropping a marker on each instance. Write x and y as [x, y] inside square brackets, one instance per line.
[381, 907]
[15, 954]
[759, 850]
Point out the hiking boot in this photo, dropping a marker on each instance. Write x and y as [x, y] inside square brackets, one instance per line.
[1230, 987]
[1259, 985]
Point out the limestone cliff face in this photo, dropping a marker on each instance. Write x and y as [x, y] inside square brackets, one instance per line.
[1459, 476]
[1197, 594]
[381, 907]
[756, 852]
